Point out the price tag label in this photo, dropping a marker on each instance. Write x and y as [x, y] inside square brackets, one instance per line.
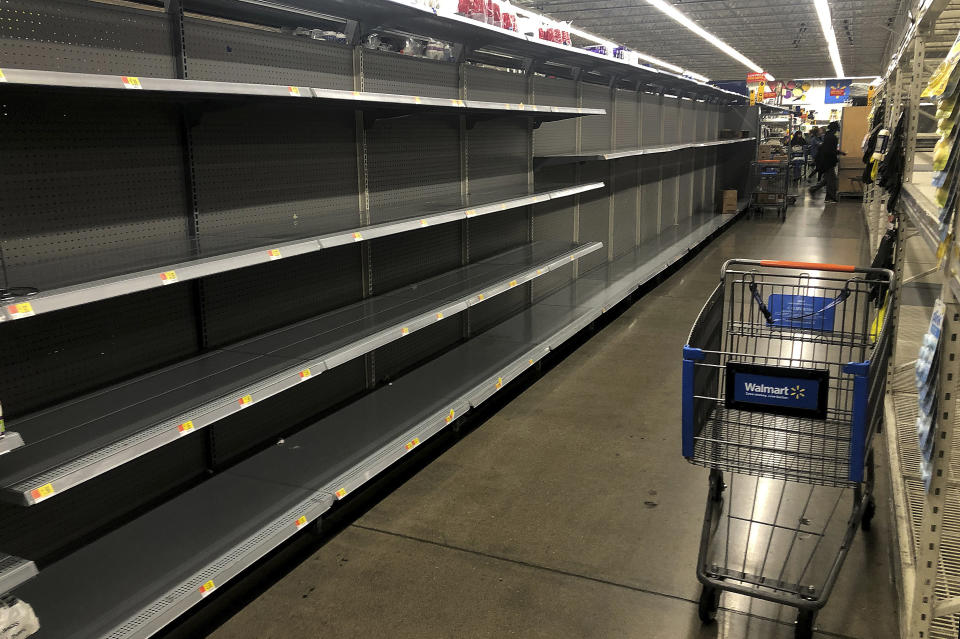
[3, 78]
[357, 237]
[499, 383]
[480, 297]
[503, 207]
[413, 443]
[456, 102]
[513, 283]
[539, 271]
[449, 417]
[404, 331]
[439, 316]
[245, 401]
[471, 212]
[341, 493]
[185, 428]
[274, 254]
[301, 521]
[168, 277]
[207, 588]
[520, 106]
[131, 82]
[294, 91]
[305, 374]
[530, 361]
[43, 492]
[19, 311]
[416, 99]
[356, 94]
[424, 223]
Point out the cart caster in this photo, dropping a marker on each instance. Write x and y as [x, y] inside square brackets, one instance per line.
[866, 520]
[716, 486]
[709, 604]
[804, 628]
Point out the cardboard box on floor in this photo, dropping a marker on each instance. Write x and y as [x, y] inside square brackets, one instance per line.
[729, 201]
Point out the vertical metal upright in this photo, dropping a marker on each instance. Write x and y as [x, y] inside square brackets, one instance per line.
[912, 105]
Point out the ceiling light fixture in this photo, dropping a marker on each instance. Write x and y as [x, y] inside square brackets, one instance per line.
[674, 13]
[826, 25]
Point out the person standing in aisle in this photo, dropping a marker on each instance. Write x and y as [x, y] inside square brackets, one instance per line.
[816, 139]
[827, 158]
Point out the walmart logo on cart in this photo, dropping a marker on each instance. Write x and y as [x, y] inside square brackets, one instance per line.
[796, 392]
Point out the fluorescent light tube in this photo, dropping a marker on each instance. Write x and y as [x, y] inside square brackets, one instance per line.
[674, 13]
[826, 25]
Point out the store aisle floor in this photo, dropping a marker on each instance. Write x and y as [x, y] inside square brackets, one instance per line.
[570, 513]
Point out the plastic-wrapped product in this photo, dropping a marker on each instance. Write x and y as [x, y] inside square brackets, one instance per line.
[17, 619]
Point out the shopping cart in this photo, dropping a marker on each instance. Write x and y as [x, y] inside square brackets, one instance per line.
[771, 180]
[783, 381]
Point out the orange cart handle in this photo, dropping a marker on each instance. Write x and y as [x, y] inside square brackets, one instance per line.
[813, 266]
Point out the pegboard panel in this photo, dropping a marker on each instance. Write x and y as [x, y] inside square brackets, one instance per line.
[625, 206]
[403, 259]
[80, 36]
[551, 282]
[595, 129]
[498, 309]
[595, 213]
[699, 178]
[651, 115]
[628, 119]
[688, 120]
[55, 356]
[274, 170]
[413, 164]
[560, 136]
[262, 423]
[553, 219]
[385, 72]
[685, 184]
[233, 53]
[710, 179]
[713, 122]
[671, 120]
[497, 157]
[395, 359]
[669, 190]
[256, 299]
[494, 85]
[88, 175]
[497, 232]
[703, 115]
[649, 197]
[53, 528]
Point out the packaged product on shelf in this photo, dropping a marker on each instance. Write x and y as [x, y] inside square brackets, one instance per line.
[17, 619]
[945, 79]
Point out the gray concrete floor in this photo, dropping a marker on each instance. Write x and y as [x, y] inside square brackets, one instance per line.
[570, 513]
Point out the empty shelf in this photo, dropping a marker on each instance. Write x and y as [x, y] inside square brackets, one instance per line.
[153, 265]
[75, 441]
[566, 158]
[917, 200]
[139, 578]
[14, 571]
[362, 99]
[10, 441]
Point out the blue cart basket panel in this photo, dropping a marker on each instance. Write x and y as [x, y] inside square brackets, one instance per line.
[794, 392]
[805, 312]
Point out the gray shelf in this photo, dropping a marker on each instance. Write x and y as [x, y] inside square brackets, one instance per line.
[137, 579]
[916, 200]
[140, 268]
[404, 17]
[567, 158]
[362, 99]
[76, 441]
[14, 571]
[10, 441]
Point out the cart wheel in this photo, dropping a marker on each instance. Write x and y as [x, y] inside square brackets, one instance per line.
[709, 603]
[866, 520]
[804, 628]
[716, 485]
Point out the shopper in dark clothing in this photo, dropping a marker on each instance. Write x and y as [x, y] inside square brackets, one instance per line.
[826, 161]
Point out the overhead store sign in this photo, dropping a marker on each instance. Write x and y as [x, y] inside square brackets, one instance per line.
[756, 77]
[837, 92]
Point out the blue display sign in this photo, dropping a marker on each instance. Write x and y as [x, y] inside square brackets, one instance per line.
[772, 389]
[804, 312]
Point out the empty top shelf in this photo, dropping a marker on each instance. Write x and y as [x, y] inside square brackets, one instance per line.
[566, 158]
[361, 99]
[75, 279]
[14, 571]
[75, 441]
[10, 440]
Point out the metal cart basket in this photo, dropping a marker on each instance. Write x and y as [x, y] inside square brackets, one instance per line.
[771, 180]
[783, 381]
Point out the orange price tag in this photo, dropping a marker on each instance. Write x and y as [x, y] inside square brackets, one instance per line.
[41, 493]
[274, 254]
[168, 277]
[301, 521]
[439, 316]
[341, 493]
[413, 443]
[449, 417]
[19, 311]
[185, 428]
[207, 588]
[244, 401]
[305, 374]
[294, 91]
[357, 237]
[404, 331]
[131, 82]
[424, 223]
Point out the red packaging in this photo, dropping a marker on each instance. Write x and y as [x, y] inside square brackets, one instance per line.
[463, 7]
[566, 38]
[497, 17]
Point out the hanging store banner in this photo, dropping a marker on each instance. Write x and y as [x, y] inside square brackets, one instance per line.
[756, 77]
[838, 92]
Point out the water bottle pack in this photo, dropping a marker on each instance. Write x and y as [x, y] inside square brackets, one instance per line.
[926, 369]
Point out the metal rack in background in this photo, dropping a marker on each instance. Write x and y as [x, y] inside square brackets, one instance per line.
[347, 249]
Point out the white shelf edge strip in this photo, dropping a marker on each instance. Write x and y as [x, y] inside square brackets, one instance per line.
[96, 290]
[14, 571]
[65, 476]
[10, 441]
[650, 150]
[34, 77]
[231, 563]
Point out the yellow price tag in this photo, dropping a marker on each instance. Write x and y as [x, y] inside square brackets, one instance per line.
[513, 283]
[294, 91]
[3, 78]
[357, 237]
[131, 82]
[413, 443]
[341, 493]
[404, 331]
[471, 212]
[305, 374]
[274, 254]
[41, 493]
[185, 428]
[499, 383]
[301, 521]
[207, 588]
[416, 99]
[168, 277]
[449, 417]
[439, 316]
[246, 400]
[21, 310]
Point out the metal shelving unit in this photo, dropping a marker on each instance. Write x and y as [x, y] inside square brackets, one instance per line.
[312, 243]
[566, 158]
[14, 571]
